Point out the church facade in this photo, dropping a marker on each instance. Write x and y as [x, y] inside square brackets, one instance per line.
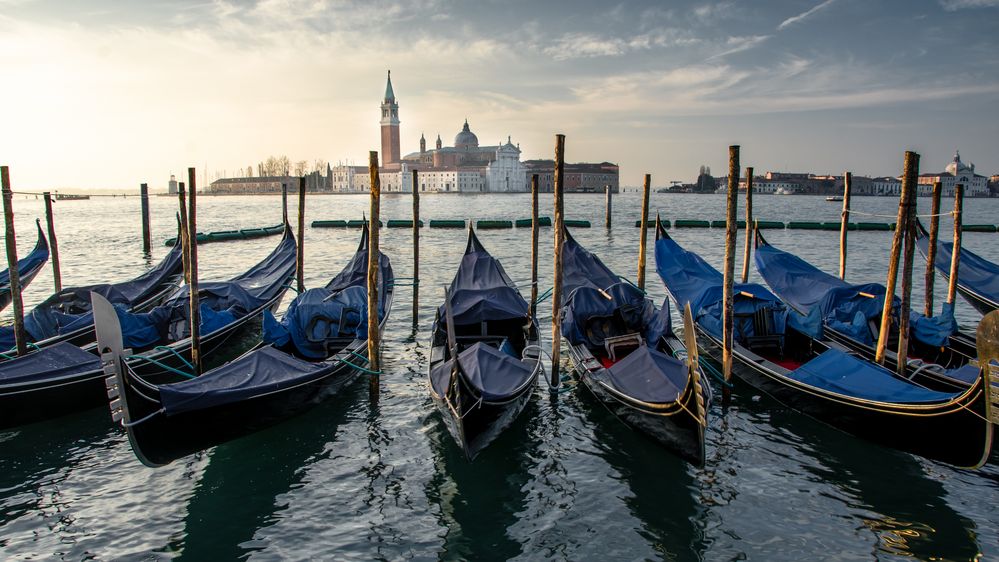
[957, 172]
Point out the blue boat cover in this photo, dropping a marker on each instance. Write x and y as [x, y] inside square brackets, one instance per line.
[599, 305]
[255, 374]
[844, 374]
[339, 310]
[69, 309]
[492, 373]
[29, 265]
[691, 279]
[826, 300]
[974, 272]
[49, 363]
[648, 375]
[481, 290]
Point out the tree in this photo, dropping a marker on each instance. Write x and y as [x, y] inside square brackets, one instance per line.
[301, 167]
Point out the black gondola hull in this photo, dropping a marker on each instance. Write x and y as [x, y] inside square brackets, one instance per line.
[956, 433]
[482, 422]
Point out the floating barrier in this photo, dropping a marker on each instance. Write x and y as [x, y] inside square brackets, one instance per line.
[441, 223]
[722, 224]
[403, 223]
[329, 224]
[873, 226]
[652, 224]
[487, 224]
[361, 223]
[227, 235]
[978, 228]
[577, 224]
[684, 223]
[542, 221]
[769, 225]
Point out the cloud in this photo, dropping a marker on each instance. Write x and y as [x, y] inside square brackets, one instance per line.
[954, 5]
[806, 14]
[739, 44]
[585, 45]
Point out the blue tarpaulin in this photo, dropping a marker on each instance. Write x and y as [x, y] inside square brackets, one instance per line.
[317, 316]
[827, 300]
[492, 373]
[54, 362]
[974, 272]
[648, 375]
[481, 290]
[845, 374]
[691, 279]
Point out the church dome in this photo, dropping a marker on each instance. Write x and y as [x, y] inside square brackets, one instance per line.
[956, 167]
[466, 138]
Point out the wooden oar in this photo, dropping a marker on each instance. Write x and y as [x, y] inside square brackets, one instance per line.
[693, 370]
[988, 351]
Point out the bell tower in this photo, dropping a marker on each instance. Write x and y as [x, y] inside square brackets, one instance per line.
[390, 126]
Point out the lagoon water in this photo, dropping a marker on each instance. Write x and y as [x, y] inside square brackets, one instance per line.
[357, 480]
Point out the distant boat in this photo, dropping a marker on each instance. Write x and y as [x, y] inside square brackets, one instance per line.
[69, 197]
[834, 198]
[785, 191]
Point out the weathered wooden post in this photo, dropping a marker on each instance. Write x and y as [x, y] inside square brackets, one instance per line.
[416, 248]
[144, 200]
[731, 229]
[955, 258]
[646, 188]
[192, 243]
[908, 255]
[749, 224]
[15, 278]
[300, 257]
[284, 202]
[931, 248]
[559, 228]
[911, 164]
[374, 336]
[182, 239]
[844, 222]
[609, 206]
[534, 246]
[53, 243]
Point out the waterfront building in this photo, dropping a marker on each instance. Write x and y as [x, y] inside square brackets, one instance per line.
[956, 172]
[172, 185]
[580, 177]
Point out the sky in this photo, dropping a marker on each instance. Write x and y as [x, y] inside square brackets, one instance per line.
[107, 94]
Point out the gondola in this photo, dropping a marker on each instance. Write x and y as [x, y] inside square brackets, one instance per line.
[850, 314]
[63, 378]
[485, 351]
[65, 316]
[624, 350]
[27, 267]
[977, 278]
[318, 348]
[774, 354]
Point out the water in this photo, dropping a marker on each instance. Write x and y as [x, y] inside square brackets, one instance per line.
[356, 480]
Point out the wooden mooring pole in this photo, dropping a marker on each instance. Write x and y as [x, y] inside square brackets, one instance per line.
[955, 258]
[908, 255]
[284, 202]
[182, 239]
[844, 222]
[731, 229]
[749, 225]
[15, 279]
[144, 200]
[911, 163]
[534, 246]
[646, 188]
[931, 248]
[416, 248]
[300, 256]
[192, 244]
[374, 336]
[609, 206]
[559, 228]
[53, 243]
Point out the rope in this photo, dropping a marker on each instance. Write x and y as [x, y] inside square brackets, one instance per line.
[682, 355]
[628, 281]
[161, 365]
[286, 287]
[358, 367]
[29, 345]
[547, 379]
[545, 295]
[147, 418]
[177, 355]
[928, 215]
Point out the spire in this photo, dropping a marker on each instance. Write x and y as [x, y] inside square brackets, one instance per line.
[389, 94]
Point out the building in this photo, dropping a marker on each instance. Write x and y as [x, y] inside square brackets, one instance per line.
[957, 172]
[580, 177]
[172, 185]
[994, 185]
